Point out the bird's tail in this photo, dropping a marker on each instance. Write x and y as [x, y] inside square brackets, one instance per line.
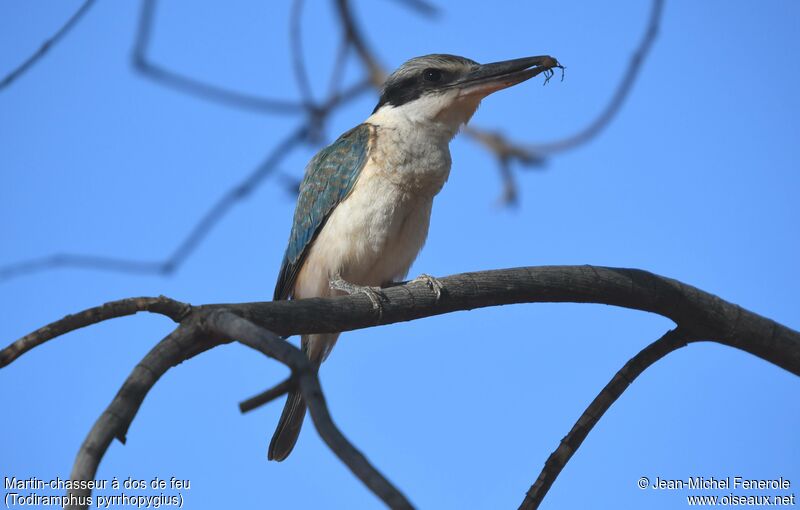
[317, 348]
[288, 430]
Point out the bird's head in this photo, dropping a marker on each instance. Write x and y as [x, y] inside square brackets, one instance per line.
[447, 89]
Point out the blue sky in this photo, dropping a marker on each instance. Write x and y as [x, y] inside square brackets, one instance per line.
[696, 179]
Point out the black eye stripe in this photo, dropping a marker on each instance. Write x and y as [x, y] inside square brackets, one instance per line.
[398, 92]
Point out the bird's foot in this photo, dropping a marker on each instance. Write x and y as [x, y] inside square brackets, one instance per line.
[434, 284]
[375, 294]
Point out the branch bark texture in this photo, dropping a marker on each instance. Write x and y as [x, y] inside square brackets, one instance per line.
[703, 315]
[698, 315]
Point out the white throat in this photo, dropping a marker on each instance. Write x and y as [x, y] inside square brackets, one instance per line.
[438, 115]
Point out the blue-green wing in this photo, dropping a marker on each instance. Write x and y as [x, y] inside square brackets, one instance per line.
[329, 178]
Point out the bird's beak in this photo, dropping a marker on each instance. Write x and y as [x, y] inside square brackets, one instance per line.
[488, 78]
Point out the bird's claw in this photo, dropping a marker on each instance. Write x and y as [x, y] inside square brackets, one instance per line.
[434, 284]
[375, 294]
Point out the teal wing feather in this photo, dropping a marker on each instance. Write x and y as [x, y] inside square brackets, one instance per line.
[329, 178]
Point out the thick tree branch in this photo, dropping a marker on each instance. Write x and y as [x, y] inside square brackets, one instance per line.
[232, 326]
[671, 341]
[175, 310]
[200, 334]
[185, 342]
[699, 315]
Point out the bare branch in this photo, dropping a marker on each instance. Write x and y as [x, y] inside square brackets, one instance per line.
[342, 52]
[622, 92]
[46, 45]
[199, 232]
[671, 341]
[298, 61]
[216, 328]
[505, 151]
[175, 310]
[509, 197]
[421, 7]
[346, 95]
[233, 196]
[77, 260]
[183, 343]
[498, 144]
[232, 326]
[310, 130]
[188, 85]
[375, 70]
[534, 154]
[266, 396]
[699, 315]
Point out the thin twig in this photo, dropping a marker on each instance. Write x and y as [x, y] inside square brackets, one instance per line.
[671, 341]
[345, 96]
[621, 93]
[77, 260]
[339, 66]
[266, 396]
[375, 70]
[233, 196]
[498, 144]
[167, 266]
[534, 154]
[509, 197]
[195, 87]
[505, 153]
[505, 150]
[199, 232]
[298, 61]
[421, 7]
[175, 310]
[47, 45]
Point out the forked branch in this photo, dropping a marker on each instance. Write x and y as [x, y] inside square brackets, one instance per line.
[699, 316]
[506, 152]
[175, 310]
[669, 342]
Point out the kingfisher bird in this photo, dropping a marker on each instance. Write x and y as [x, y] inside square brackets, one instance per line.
[365, 201]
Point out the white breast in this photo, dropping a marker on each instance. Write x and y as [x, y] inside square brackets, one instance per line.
[374, 235]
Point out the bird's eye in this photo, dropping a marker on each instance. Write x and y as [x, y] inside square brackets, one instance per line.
[431, 74]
